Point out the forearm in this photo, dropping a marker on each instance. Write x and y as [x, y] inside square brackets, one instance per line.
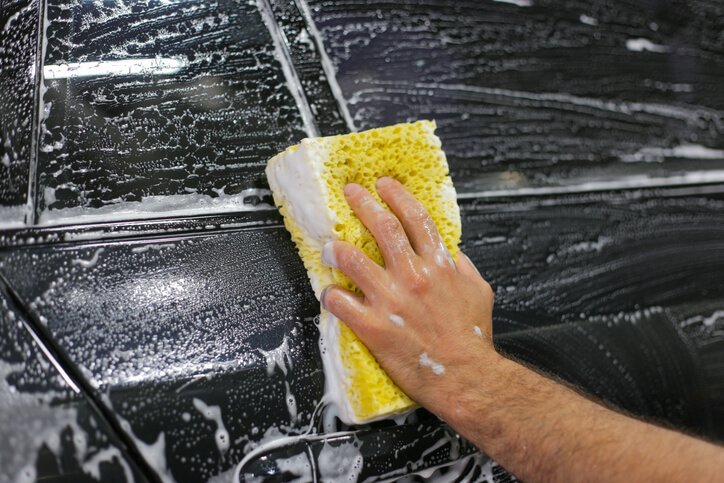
[541, 430]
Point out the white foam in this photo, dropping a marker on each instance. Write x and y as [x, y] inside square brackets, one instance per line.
[340, 463]
[12, 217]
[425, 361]
[477, 331]
[153, 66]
[443, 258]
[151, 246]
[155, 207]
[588, 20]
[213, 413]
[641, 45]
[620, 183]
[29, 421]
[519, 3]
[92, 466]
[154, 453]
[291, 402]
[589, 246]
[397, 320]
[709, 321]
[296, 179]
[279, 357]
[297, 465]
[27, 8]
[686, 151]
[89, 263]
[228, 477]
[335, 389]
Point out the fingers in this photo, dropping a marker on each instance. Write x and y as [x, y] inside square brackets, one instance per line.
[345, 305]
[419, 225]
[365, 273]
[385, 226]
[466, 267]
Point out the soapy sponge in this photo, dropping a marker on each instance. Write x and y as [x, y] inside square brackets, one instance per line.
[307, 182]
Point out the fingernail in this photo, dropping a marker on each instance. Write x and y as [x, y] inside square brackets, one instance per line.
[384, 181]
[328, 259]
[322, 296]
[351, 189]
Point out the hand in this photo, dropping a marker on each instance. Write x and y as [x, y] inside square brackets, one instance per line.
[428, 322]
[426, 319]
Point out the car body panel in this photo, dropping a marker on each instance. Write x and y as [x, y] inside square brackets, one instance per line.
[140, 244]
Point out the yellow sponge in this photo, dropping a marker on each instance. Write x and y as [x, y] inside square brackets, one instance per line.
[307, 181]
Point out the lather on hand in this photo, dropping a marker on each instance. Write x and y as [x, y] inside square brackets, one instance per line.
[428, 321]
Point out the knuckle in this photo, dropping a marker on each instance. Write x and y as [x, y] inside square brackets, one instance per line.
[387, 223]
[488, 292]
[374, 332]
[418, 281]
[416, 213]
[349, 259]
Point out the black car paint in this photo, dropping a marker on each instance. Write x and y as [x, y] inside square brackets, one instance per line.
[615, 289]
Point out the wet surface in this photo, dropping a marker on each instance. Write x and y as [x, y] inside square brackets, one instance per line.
[159, 323]
[199, 105]
[49, 430]
[154, 326]
[545, 94]
[18, 45]
[585, 142]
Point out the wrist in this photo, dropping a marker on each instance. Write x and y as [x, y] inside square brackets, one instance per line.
[474, 392]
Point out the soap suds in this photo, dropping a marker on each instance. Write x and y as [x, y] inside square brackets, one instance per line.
[88, 263]
[588, 20]
[425, 361]
[154, 454]
[157, 206]
[12, 217]
[125, 67]
[397, 320]
[682, 151]
[92, 466]
[519, 3]
[213, 413]
[478, 331]
[291, 401]
[342, 463]
[280, 357]
[297, 465]
[640, 45]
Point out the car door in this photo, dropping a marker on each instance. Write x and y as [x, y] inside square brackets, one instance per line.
[157, 323]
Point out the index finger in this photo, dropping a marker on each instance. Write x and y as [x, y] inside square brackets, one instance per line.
[384, 226]
[419, 225]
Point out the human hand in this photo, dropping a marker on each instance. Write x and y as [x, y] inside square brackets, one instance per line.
[427, 320]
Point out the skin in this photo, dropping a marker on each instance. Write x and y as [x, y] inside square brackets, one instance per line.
[538, 429]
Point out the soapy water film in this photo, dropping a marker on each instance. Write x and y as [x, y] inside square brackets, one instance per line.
[143, 116]
[161, 329]
[173, 111]
[43, 417]
[549, 100]
[531, 95]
